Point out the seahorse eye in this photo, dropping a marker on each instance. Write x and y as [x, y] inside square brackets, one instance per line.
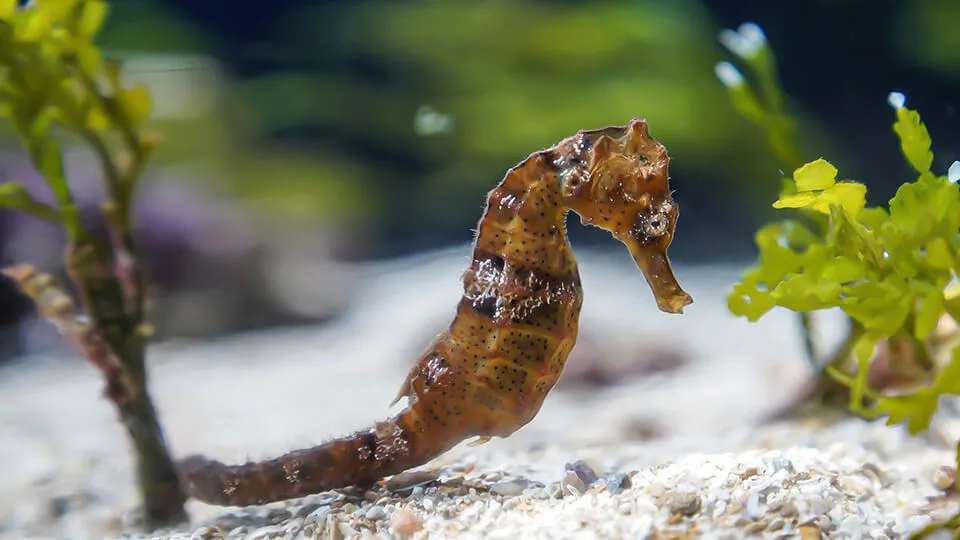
[655, 225]
[654, 222]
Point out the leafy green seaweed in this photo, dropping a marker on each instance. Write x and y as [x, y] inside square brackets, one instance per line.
[886, 268]
[55, 82]
[892, 271]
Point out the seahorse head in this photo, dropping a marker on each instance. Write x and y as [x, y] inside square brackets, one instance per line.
[618, 179]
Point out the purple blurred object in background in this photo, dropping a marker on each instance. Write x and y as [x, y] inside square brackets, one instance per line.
[205, 262]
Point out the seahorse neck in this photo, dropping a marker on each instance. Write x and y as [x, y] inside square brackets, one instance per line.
[524, 222]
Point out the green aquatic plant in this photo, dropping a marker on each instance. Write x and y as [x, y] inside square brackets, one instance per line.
[56, 87]
[887, 269]
[892, 271]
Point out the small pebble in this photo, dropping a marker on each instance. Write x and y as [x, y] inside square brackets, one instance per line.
[510, 488]
[782, 464]
[492, 477]
[206, 533]
[618, 482]
[376, 513]
[346, 529]
[538, 493]
[809, 532]
[821, 522]
[277, 515]
[307, 509]
[657, 489]
[754, 528]
[411, 479]
[754, 508]
[270, 531]
[583, 471]
[684, 503]
[239, 532]
[405, 522]
[572, 484]
[319, 515]
[293, 526]
[945, 477]
[788, 510]
[776, 524]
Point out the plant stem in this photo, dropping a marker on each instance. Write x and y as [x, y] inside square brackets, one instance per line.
[806, 331]
[93, 269]
[163, 499]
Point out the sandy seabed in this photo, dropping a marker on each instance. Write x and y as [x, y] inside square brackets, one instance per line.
[674, 454]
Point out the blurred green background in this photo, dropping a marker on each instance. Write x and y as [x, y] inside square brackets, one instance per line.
[303, 136]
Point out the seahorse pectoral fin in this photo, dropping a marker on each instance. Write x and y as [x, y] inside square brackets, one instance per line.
[655, 265]
[479, 440]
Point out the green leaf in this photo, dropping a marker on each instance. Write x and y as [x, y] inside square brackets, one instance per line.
[856, 241]
[750, 302]
[880, 307]
[804, 292]
[776, 260]
[814, 176]
[136, 102]
[851, 196]
[47, 159]
[747, 103]
[939, 254]
[49, 162]
[930, 200]
[89, 58]
[917, 408]
[930, 312]
[14, 195]
[799, 200]
[8, 8]
[92, 17]
[844, 269]
[914, 139]
[35, 24]
[873, 218]
[948, 380]
[97, 120]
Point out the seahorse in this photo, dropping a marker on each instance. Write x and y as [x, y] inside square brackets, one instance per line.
[488, 374]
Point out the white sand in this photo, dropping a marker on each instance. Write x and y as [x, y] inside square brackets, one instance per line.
[66, 471]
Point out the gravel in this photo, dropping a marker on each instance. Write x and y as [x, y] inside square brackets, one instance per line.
[836, 488]
[713, 469]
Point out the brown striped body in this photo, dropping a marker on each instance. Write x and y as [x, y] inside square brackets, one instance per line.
[488, 374]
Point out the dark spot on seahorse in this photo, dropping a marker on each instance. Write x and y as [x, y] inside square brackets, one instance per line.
[366, 445]
[485, 305]
[498, 262]
[436, 372]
